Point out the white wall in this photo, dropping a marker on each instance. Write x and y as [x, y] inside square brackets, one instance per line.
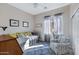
[66, 17]
[9, 12]
[75, 27]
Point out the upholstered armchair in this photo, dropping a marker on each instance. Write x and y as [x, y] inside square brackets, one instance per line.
[61, 45]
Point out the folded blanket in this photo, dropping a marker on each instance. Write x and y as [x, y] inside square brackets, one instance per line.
[37, 50]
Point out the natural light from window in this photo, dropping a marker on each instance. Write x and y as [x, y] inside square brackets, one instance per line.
[47, 23]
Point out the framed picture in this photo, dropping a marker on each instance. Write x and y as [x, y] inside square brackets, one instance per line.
[14, 23]
[25, 24]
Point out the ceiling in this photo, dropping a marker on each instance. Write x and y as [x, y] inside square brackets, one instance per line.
[36, 8]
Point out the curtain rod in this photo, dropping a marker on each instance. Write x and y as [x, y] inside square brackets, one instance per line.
[58, 14]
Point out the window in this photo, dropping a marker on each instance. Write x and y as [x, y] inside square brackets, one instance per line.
[47, 25]
[58, 24]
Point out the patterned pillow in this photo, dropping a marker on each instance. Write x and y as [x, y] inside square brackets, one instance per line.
[28, 33]
[21, 38]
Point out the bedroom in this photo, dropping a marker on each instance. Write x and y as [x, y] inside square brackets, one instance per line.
[37, 23]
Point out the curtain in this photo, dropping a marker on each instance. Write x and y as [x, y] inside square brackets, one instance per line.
[47, 24]
[58, 24]
[47, 28]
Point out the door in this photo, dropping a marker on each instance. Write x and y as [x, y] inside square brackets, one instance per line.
[75, 32]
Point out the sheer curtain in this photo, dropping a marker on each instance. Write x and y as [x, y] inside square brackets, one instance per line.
[47, 28]
[47, 24]
[58, 24]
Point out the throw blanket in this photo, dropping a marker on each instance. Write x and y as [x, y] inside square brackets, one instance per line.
[37, 50]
